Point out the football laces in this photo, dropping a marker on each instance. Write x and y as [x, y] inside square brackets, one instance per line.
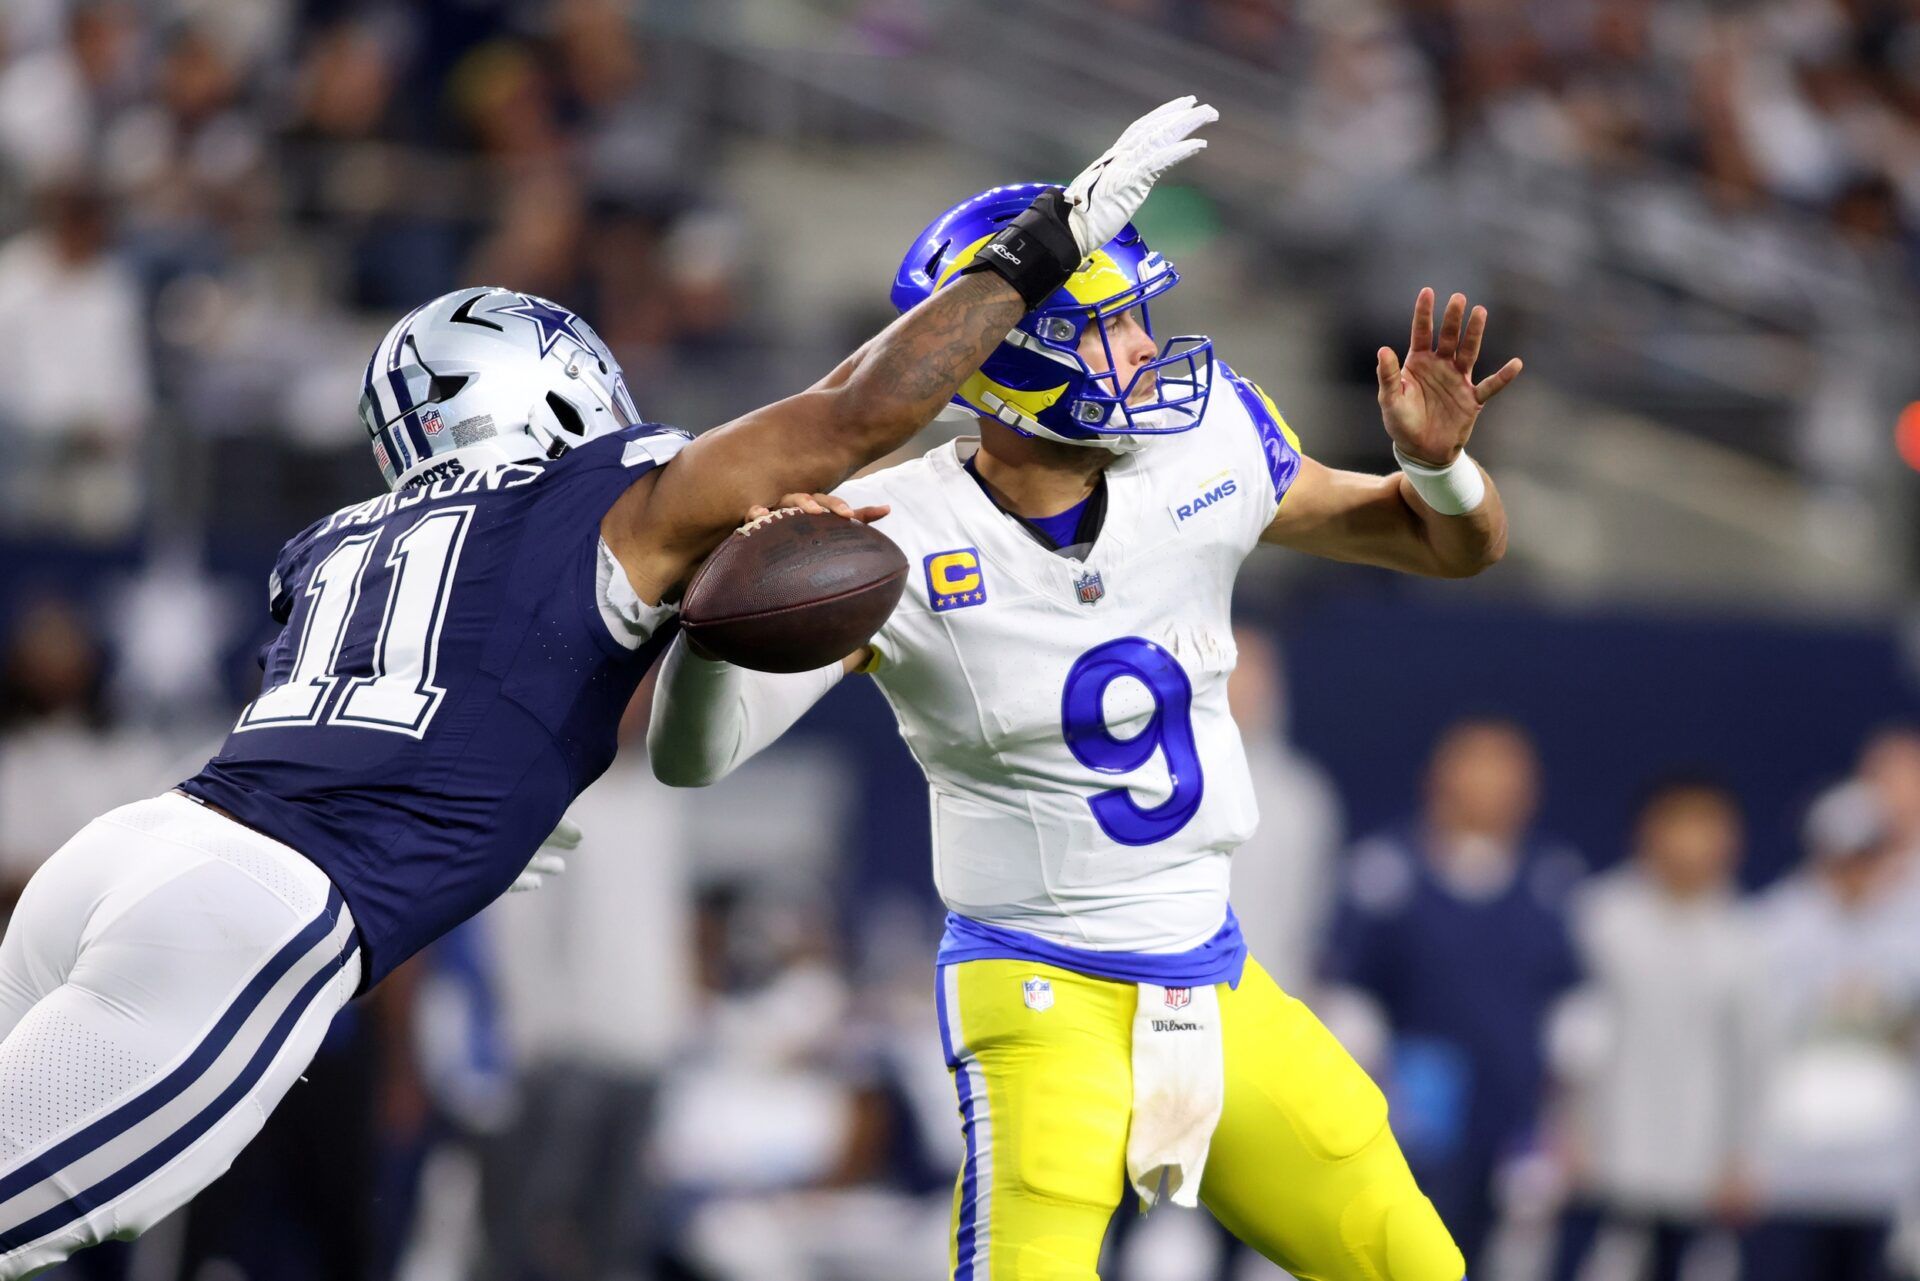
[781, 513]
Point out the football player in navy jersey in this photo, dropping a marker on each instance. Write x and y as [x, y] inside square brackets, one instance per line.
[453, 660]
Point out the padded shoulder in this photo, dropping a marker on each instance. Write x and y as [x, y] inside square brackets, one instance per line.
[286, 566]
[1279, 446]
[651, 443]
[909, 488]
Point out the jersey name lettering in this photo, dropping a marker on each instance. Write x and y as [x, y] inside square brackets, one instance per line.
[505, 476]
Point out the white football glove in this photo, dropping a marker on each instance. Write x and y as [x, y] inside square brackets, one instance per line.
[547, 860]
[1110, 191]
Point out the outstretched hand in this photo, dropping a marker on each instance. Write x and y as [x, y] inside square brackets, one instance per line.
[1430, 403]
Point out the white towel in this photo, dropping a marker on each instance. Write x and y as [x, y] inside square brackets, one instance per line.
[1178, 1087]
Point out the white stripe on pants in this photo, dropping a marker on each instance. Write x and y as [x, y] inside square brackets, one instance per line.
[166, 977]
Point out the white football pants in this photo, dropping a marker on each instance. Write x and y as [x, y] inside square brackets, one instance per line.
[166, 977]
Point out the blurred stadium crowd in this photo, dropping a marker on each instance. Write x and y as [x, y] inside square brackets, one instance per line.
[1814, 105]
[703, 1052]
[707, 1051]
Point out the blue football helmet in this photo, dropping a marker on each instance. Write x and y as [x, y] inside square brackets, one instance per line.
[490, 374]
[1036, 382]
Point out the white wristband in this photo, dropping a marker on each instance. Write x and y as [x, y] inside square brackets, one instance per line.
[1453, 490]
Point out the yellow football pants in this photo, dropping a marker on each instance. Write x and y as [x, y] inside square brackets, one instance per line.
[1303, 1166]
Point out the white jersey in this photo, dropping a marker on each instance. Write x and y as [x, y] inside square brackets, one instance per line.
[1088, 785]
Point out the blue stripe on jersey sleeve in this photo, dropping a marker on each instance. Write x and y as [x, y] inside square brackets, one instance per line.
[1277, 441]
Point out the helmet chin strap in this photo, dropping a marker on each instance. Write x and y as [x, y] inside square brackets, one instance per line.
[1011, 416]
[1029, 427]
[1115, 444]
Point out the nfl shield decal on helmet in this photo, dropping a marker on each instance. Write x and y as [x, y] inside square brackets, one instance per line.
[1088, 588]
[1037, 992]
[1178, 998]
[431, 422]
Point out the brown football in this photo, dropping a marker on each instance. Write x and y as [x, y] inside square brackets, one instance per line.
[792, 592]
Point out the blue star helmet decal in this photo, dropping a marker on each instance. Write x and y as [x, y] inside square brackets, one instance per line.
[483, 368]
[552, 319]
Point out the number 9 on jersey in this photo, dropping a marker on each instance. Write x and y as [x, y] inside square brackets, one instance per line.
[1169, 731]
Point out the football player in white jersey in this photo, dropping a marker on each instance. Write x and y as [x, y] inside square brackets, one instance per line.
[453, 658]
[1059, 666]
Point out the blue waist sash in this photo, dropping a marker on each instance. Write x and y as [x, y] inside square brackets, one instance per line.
[1218, 960]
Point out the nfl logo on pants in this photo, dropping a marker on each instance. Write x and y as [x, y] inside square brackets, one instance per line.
[1037, 993]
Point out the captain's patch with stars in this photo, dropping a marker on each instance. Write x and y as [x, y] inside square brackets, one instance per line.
[955, 579]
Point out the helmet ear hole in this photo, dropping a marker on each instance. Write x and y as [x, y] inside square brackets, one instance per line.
[566, 414]
[446, 386]
[934, 259]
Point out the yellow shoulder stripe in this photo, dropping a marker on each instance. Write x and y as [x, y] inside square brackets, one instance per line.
[1278, 417]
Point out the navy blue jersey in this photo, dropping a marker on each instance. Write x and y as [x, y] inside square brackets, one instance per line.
[444, 685]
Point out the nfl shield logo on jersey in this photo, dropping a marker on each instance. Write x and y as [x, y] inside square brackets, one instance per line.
[1179, 997]
[430, 421]
[1088, 588]
[1037, 992]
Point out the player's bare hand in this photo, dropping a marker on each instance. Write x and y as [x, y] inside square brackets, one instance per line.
[822, 505]
[1430, 403]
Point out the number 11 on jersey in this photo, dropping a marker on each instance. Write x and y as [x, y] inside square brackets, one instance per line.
[398, 695]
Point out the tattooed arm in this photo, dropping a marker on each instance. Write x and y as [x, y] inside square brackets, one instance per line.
[871, 404]
[883, 393]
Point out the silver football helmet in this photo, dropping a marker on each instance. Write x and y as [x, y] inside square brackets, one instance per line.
[493, 376]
